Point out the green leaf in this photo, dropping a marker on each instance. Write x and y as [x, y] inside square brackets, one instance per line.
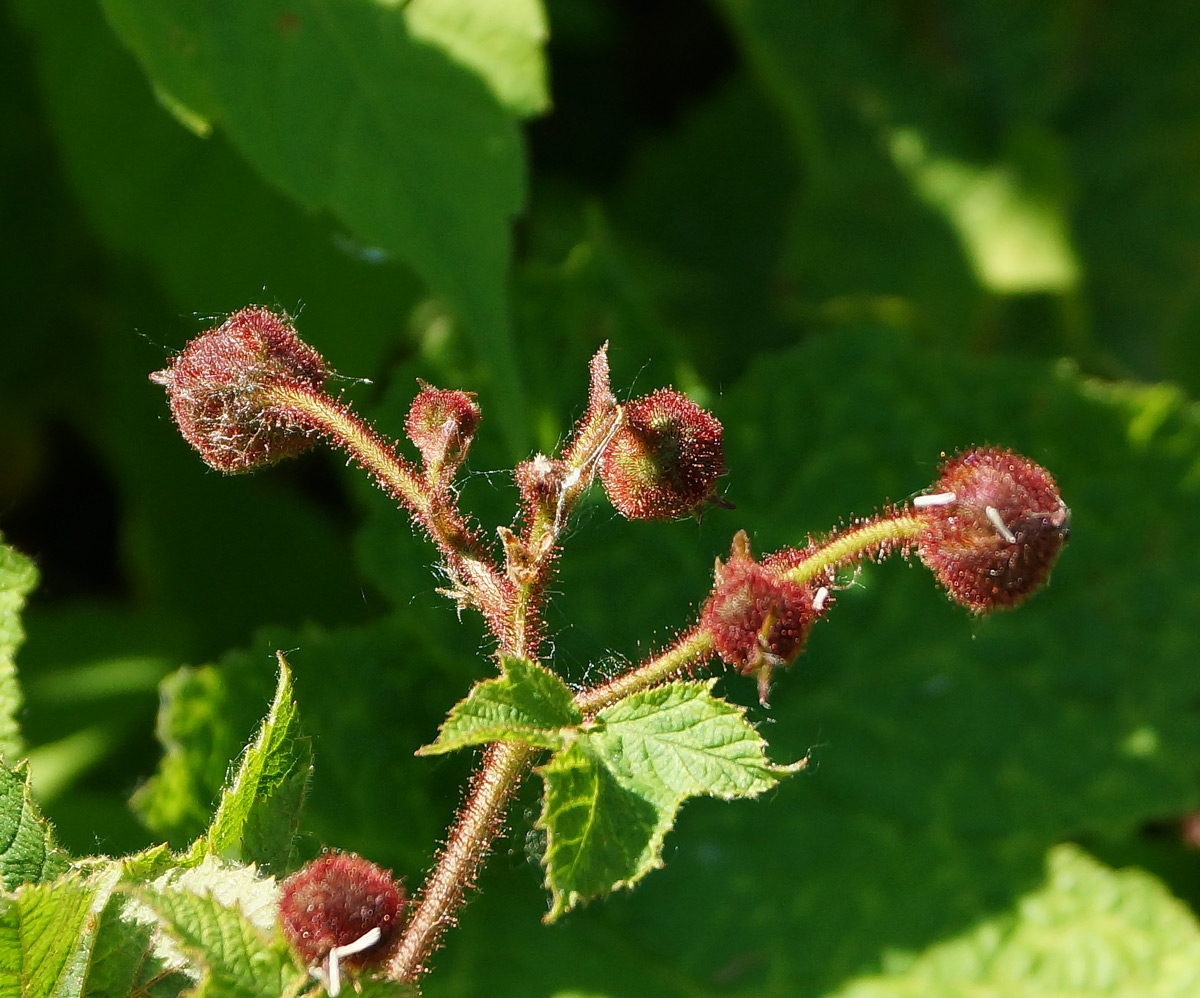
[127, 958]
[28, 854]
[17, 579]
[501, 40]
[528, 703]
[236, 959]
[46, 935]
[1089, 930]
[613, 793]
[194, 727]
[343, 109]
[259, 813]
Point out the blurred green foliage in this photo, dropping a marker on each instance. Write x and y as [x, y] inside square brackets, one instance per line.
[861, 234]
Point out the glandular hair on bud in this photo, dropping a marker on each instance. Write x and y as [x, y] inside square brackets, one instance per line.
[336, 900]
[225, 389]
[442, 424]
[664, 460]
[994, 527]
[758, 618]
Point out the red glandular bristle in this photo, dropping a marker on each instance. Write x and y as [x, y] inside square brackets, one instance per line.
[994, 527]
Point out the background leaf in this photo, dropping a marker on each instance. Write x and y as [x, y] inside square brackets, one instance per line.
[1054, 939]
[17, 579]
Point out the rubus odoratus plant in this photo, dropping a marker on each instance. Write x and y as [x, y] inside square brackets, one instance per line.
[617, 757]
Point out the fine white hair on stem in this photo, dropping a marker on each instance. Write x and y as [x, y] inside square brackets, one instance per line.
[820, 599]
[333, 983]
[936, 499]
[996, 521]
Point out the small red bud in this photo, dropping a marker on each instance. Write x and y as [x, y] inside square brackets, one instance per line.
[331, 905]
[442, 424]
[760, 620]
[223, 390]
[664, 460]
[995, 524]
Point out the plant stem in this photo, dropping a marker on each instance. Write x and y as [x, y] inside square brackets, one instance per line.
[880, 534]
[695, 646]
[396, 476]
[478, 822]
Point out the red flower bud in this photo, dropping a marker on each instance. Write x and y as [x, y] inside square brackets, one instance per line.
[341, 910]
[224, 390]
[442, 424]
[664, 460]
[995, 524]
[758, 619]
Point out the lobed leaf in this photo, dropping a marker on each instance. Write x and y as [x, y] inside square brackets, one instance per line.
[613, 793]
[527, 703]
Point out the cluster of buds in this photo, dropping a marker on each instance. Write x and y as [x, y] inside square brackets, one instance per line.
[249, 393]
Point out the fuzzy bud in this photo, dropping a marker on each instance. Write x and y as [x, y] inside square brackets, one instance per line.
[442, 424]
[224, 390]
[995, 524]
[330, 909]
[758, 618]
[664, 460]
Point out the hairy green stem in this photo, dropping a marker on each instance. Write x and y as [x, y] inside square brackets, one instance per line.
[478, 823]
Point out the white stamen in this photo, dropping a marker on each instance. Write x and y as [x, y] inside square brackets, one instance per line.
[993, 516]
[368, 939]
[820, 599]
[937, 499]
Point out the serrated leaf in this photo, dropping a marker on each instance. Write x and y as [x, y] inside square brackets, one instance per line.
[126, 963]
[235, 958]
[46, 935]
[17, 579]
[678, 740]
[28, 854]
[528, 703]
[613, 794]
[599, 834]
[259, 813]
[1089, 930]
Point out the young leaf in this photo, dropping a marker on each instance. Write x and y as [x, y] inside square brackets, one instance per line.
[612, 794]
[528, 703]
[259, 812]
[235, 958]
[1088, 930]
[17, 578]
[28, 854]
[47, 932]
[125, 958]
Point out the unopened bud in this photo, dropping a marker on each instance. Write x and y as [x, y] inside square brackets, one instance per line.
[227, 390]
